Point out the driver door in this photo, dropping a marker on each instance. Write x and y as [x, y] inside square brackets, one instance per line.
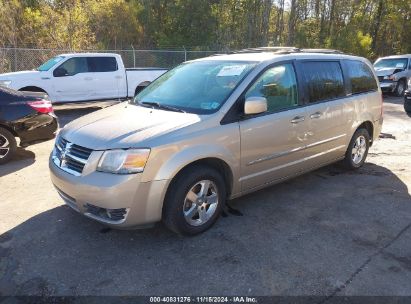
[273, 143]
[72, 80]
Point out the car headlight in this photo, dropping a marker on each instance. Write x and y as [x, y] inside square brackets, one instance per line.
[5, 83]
[389, 77]
[123, 161]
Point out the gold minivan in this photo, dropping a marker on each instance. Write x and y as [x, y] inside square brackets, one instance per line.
[214, 129]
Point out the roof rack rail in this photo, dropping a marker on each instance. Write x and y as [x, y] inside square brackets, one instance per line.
[323, 51]
[274, 49]
[286, 50]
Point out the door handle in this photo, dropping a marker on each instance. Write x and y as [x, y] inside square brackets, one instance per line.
[297, 119]
[316, 115]
[88, 78]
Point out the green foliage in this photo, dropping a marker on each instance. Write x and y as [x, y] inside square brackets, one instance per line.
[365, 27]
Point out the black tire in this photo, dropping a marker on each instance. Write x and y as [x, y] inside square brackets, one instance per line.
[175, 201]
[7, 137]
[349, 162]
[400, 88]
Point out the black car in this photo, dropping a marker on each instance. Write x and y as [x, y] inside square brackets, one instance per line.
[407, 102]
[27, 116]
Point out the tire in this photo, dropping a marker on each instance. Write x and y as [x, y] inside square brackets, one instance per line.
[8, 145]
[361, 138]
[400, 89]
[182, 215]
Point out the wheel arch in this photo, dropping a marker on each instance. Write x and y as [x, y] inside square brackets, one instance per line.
[141, 86]
[369, 126]
[33, 89]
[10, 129]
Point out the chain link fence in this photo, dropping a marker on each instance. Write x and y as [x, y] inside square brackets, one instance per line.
[19, 59]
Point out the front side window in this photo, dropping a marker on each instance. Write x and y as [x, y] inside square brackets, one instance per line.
[324, 80]
[72, 67]
[199, 87]
[360, 77]
[279, 86]
[102, 64]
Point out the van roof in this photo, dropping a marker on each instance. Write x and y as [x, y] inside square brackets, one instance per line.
[267, 55]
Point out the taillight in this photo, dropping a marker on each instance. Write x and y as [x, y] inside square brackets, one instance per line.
[41, 106]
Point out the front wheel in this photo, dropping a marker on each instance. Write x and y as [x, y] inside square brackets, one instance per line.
[400, 89]
[357, 149]
[194, 200]
[8, 145]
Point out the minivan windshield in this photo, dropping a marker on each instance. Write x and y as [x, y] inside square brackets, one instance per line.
[199, 87]
[393, 63]
[50, 63]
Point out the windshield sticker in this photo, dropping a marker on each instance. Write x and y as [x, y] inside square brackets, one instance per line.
[400, 65]
[215, 105]
[232, 70]
[206, 105]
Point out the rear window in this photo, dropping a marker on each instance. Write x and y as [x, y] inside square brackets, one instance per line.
[360, 77]
[102, 64]
[324, 80]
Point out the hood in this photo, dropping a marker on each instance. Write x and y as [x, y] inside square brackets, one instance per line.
[21, 74]
[124, 126]
[385, 71]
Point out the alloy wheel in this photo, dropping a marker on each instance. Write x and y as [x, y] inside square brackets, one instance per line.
[4, 146]
[200, 203]
[359, 149]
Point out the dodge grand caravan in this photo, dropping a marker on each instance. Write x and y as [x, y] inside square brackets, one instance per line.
[214, 129]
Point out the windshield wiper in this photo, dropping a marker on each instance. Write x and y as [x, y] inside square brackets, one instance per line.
[161, 106]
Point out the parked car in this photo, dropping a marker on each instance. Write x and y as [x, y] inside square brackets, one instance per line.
[214, 129]
[83, 77]
[393, 72]
[25, 115]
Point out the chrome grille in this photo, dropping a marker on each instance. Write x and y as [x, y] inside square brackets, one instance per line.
[70, 157]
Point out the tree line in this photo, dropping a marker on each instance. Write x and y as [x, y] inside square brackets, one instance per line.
[369, 28]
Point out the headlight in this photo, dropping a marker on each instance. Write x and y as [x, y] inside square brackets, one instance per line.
[5, 83]
[123, 161]
[390, 77]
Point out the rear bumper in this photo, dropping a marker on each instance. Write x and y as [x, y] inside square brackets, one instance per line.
[100, 195]
[37, 128]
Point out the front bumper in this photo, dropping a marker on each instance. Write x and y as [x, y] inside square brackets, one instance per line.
[388, 86]
[99, 195]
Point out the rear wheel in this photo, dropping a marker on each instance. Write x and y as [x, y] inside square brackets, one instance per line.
[194, 200]
[8, 145]
[357, 149]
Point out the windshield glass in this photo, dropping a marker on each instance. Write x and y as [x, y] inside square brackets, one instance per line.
[50, 63]
[199, 87]
[395, 63]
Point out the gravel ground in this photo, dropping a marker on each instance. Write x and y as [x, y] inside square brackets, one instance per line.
[329, 232]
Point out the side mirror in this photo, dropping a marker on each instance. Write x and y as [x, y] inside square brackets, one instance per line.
[255, 105]
[60, 72]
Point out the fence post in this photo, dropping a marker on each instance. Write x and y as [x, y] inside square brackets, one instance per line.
[134, 56]
[185, 53]
[15, 59]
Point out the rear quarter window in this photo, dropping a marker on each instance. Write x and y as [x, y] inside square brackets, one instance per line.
[102, 64]
[360, 77]
[323, 80]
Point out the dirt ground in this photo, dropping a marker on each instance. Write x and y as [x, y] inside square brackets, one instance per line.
[329, 232]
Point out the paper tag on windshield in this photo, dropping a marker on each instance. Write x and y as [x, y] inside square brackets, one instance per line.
[232, 70]
[399, 65]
